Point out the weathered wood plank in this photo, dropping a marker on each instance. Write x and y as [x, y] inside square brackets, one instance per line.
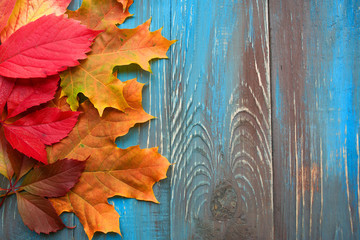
[221, 186]
[315, 53]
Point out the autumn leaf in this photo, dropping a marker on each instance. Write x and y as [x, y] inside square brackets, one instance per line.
[27, 93]
[109, 171]
[103, 131]
[26, 11]
[6, 151]
[118, 172]
[11, 161]
[38, 214]
[46, 181]
[6, 7]
[45, 47]
[101, 14]
[113, 47]
[54, 180]
[6, 87]
[20, 163]
[32, 132]
[102, 87]
[125, 3]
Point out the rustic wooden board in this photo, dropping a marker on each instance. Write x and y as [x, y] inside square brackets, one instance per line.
[315, 86]
[220, 121]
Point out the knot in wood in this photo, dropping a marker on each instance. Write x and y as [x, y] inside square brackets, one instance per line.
[223, 203]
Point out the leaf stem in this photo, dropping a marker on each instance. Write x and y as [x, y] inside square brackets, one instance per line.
[9, 192]
[3, 200]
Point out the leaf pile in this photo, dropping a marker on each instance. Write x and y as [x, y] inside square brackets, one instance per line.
[59, 155]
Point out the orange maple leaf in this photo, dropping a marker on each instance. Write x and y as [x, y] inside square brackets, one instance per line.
[110, 171]
[102, 14]
[113, 47]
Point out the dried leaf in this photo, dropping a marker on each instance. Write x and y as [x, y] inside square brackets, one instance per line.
[26, 11]
[117, 172]
[112, 48]
[29, 53]
[38, 214]
[125, 3]
[19, 162]
[6, 7]
[46, 126]
[31, 92]
[54, 180]
[93, 132]
[6, 168]
[110, 171]
[101, 14]
[6, 87]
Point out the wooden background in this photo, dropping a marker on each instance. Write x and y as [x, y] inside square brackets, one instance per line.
[258, 108]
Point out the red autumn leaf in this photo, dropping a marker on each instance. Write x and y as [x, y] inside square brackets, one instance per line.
[6, 152]
[31, 92]
[54, 180]
[45, 47]
[6, 86]
[38, 214]
[19, 162]
[6, 7]
[31, 133]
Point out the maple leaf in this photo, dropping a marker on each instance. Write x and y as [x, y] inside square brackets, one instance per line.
[6, 7]
[46, 181]
[113, 47]
[29, 53]
[109, 171]
[91, 128]
[101, 14]
[26, 11]
[125, 3]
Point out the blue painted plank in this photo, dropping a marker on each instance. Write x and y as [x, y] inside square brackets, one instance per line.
[221, 184]
[315, 53]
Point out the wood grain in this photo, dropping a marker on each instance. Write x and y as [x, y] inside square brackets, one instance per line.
[221, 186]
[315, 50]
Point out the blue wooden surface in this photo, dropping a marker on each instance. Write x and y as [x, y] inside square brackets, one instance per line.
[251, 162]
[221, 184]
[315, 79]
